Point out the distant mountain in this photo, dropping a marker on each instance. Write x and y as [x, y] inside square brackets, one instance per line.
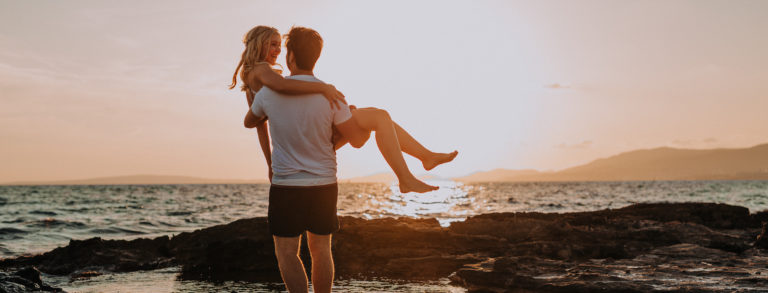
[138, 179]
[654, 164]
[499, 175]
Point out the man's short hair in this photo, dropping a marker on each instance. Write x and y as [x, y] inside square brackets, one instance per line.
[305, 44]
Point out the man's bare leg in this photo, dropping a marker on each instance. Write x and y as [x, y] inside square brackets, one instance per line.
[322, 262]
[291, 267]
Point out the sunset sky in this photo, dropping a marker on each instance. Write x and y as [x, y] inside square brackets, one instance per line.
[109, 88]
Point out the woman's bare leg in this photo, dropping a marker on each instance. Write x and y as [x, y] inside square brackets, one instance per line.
[372, 119]
[411, 146]
[408, 144]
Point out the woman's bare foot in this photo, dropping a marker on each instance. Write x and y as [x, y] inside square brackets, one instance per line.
[415, 185]
[436, 159]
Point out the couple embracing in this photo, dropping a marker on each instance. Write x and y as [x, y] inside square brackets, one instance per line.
[308, 121]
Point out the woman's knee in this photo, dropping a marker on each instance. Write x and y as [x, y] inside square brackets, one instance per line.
[370, 119]
[381, 115]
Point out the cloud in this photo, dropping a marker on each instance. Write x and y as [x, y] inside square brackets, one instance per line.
[576, 146]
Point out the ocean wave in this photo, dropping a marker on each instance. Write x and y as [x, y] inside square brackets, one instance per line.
[157, 223]
[6, 251]
[14, 221]
[52, 222]
[75, 210]
[168, 224]
[9, 230]
[45, 213]
[115, 230]
[179, 213]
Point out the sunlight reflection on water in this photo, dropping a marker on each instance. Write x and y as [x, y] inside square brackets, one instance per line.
[442, 204]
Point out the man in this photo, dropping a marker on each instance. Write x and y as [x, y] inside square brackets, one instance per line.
[303, 193]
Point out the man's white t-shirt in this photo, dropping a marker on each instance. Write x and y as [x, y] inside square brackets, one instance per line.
[301, 130]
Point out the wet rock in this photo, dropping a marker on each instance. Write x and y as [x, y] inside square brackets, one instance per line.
[112, 255]
[681, 247]
[84, 275]
[383, 247]
[388, 247]
[241, 250]
[24, 280]
[622, 233]
[762, 239]
[429, 267]
[675, 268]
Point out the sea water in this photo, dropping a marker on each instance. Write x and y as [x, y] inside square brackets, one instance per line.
[35, 219]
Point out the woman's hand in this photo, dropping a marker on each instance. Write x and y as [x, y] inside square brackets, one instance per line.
[270, 174]
[334, 96]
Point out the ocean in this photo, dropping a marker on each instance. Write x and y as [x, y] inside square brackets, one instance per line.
[35, 219]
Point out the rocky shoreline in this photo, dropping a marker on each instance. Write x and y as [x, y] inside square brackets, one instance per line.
[665, 247]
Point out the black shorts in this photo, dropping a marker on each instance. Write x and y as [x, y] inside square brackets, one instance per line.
[295, 209]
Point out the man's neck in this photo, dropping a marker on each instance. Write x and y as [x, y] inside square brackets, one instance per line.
[302, 72]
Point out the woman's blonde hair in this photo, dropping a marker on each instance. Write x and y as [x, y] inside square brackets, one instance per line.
[256, 44]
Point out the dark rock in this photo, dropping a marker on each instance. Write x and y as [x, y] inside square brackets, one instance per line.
[640, 248]
[380, 247]
[760, 217]
[363, 248]
[31, 274]
[24, 280]
[762, 239]
[241, 250]
[666, 269]
[622, 233]
[113, 255]
[83, 275]
[429, 267]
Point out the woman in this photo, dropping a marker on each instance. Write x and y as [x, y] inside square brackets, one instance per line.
[263, 45]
